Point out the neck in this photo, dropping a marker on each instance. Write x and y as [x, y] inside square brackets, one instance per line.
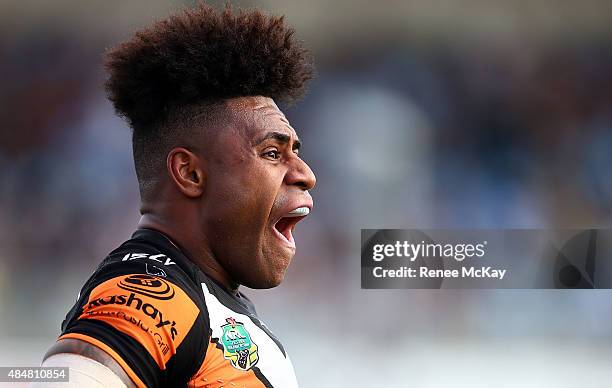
[194, 246]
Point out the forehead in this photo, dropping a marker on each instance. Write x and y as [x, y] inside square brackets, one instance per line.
[259, 115]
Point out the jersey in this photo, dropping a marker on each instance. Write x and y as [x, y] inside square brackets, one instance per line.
[168, 324]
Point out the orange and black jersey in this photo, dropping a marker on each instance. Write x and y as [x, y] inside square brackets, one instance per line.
[168, 324]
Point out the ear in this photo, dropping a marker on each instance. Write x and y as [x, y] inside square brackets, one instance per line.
[186, 170]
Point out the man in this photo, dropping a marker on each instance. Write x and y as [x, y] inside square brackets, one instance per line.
[222, 188]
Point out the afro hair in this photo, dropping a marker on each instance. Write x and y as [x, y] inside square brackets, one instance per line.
[203, 55]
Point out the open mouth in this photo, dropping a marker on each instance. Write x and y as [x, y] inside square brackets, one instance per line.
[284, 227]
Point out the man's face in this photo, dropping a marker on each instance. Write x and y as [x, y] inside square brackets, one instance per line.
[255, 193]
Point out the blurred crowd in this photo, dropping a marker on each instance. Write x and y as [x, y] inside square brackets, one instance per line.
[400, 135]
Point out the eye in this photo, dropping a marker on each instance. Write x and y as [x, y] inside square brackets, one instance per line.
[273, 154]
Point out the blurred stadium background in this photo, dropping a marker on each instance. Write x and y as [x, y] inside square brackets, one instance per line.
[479, 113]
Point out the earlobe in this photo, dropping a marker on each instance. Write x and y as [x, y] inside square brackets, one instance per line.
[187, 171]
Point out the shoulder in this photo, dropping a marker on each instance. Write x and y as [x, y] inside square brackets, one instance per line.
[141, 266]
[143, 306]
[138, 270]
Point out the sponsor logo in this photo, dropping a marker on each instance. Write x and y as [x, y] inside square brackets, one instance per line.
[147, 285]
[134, 302]
[160, 258]
[153, 311]
[238, 347]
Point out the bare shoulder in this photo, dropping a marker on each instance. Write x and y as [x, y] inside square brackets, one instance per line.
[88, 350]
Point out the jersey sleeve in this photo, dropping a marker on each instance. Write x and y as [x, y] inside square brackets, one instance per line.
[146, 317]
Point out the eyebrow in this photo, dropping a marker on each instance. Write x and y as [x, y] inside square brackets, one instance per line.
[281, 138]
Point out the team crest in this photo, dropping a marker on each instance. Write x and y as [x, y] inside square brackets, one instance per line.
[238, 347]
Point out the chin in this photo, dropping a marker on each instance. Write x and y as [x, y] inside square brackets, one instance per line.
[264, 281]
[268, 269]
[271, 277]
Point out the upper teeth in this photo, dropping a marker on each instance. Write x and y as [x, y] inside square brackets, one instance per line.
[300, 211]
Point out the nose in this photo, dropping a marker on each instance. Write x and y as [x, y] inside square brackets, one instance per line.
[300, 174]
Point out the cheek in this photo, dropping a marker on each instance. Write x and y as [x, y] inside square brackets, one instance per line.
[239, 202]
[255, 194]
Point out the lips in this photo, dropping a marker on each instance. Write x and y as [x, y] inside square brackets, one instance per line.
[284, 226]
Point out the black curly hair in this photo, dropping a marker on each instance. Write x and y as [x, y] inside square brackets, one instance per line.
[199, 58]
